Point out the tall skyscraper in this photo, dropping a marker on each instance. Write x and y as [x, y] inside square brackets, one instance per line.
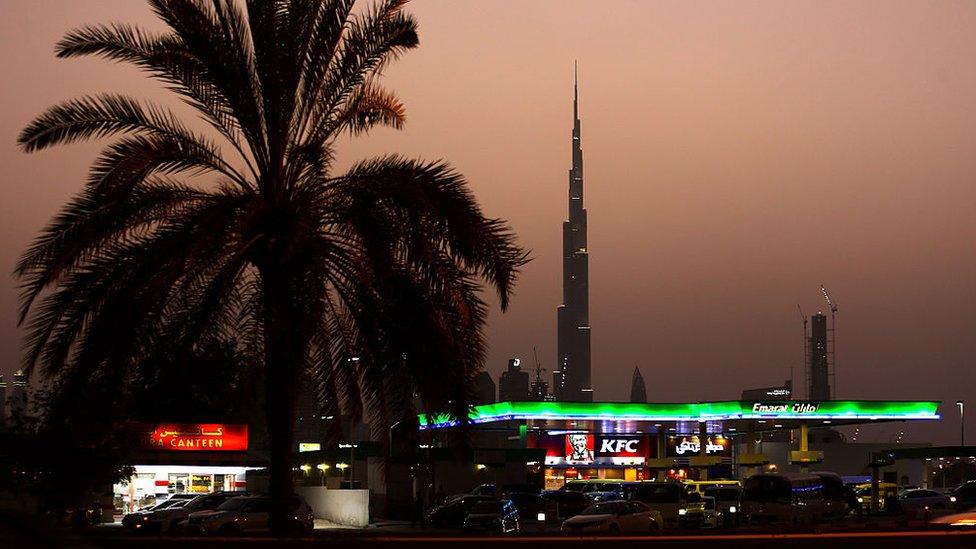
[638, 392]
[514, 383]
[571, 381]
[819, 368]
[484, 388]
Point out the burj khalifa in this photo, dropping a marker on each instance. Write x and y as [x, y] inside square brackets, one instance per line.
[571, 381]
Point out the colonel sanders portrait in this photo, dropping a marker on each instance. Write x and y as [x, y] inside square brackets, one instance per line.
[578, 448]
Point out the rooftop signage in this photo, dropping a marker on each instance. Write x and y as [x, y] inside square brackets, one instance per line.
[697, 411]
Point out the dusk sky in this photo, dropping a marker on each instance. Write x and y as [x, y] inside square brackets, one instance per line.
[737, 156]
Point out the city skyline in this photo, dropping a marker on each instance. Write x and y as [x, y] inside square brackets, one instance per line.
[743, 157]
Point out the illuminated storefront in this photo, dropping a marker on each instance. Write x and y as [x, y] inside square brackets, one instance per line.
[177, 458]
[635, 441]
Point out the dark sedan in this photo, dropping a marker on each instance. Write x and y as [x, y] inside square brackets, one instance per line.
[451, 514]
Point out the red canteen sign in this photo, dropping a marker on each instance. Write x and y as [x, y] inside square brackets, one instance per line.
[199, 437]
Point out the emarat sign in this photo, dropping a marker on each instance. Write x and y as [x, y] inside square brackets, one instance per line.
[785, 408]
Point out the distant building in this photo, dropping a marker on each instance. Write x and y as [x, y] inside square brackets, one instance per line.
[309, 424]
[514, 383]
[484, 388]
[539, 390]
[3, 403]
[783, 392]
[18, 398]
[638, 392]
[818, 367]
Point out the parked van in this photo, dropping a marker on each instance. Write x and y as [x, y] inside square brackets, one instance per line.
[837, 501]
[783, 498]
[668, 498]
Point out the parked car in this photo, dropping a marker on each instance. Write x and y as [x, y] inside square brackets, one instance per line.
[887, 496]
[921, 503]
[668, 498]
[703, 513]
[726, 501]
[562, 504]
[594, 485]
[142, 520]
[246, 514]
[451, 514]
[531, 507]
[964, 496]
[169, 518]
[614, 517]
[495, 516]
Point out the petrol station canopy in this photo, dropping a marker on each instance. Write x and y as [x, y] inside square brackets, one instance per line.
[757, 415]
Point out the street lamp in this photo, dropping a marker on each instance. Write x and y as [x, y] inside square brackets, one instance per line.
[962, 424]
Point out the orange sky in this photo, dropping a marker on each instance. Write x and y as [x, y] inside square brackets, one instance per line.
[738, 155]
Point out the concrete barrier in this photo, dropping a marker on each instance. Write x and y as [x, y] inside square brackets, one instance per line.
[345, 507]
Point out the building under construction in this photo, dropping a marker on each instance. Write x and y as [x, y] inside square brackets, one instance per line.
[819, 352]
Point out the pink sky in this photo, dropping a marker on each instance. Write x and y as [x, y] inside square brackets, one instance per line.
[738, 155]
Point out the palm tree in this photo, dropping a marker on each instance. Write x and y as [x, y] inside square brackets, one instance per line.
[365, 283]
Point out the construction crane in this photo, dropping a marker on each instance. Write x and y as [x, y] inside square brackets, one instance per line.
[806, 351]
[538, 365]
[832, 372]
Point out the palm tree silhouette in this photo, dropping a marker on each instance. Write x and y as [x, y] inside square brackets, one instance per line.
[365, 283]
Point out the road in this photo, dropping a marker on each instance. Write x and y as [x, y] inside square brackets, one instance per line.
[860, 540]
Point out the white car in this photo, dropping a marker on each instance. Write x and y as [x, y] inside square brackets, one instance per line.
[703, 514]
[143, 520]
[246, 514]
[169, 518]
[615, 517]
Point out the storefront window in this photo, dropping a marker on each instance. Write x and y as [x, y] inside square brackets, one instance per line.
[201, 483]
[178, 483]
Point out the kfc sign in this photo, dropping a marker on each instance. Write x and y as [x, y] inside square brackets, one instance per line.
[611, 446]
[198, 437]
[622, 446]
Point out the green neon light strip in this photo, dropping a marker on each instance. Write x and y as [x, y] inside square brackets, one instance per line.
[698, 411]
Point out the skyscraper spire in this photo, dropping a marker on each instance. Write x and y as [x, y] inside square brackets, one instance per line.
[571, 381]
[638, 391]
[575, 92]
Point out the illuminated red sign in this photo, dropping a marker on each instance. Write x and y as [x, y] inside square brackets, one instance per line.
[198, 437]
[579, 448]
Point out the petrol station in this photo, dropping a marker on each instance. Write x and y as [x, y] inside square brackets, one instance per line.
[563, 441]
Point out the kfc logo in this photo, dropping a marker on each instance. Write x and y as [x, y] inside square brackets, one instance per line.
[579, 448]
[619, 446]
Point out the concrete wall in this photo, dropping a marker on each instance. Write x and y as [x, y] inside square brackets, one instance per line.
[345, 507]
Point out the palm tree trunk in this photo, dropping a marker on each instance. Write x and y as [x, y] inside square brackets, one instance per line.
[283, 361]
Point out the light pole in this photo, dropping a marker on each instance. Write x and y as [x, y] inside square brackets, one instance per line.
[962, 424]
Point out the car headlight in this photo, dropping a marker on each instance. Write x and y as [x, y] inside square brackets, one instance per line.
[732, 508]
[952, 499]
[860, 500]
[541, 517]
[682, 511]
